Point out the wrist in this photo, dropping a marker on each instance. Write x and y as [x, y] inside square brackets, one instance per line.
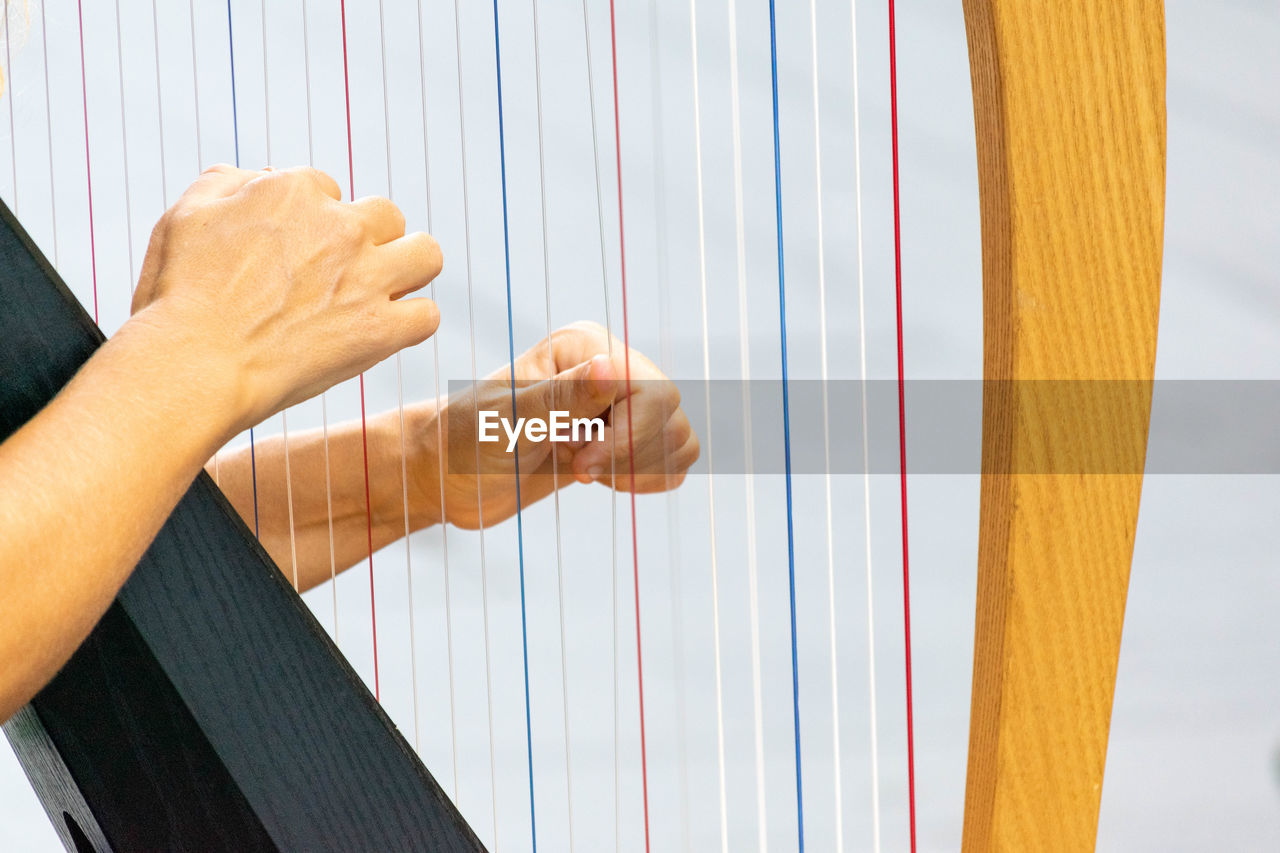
[179, 361]
[417, 447]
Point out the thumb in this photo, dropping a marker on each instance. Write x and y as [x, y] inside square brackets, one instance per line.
[583, 391]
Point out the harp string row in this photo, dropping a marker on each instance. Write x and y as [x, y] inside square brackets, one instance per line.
[838, 777]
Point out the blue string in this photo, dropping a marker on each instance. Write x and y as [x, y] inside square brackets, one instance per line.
[235, 129]
[511, 348]
[786, 421]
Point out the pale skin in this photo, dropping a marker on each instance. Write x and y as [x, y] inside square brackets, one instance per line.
[259, 290]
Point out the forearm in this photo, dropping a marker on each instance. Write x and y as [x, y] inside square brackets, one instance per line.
[314, 522]
[87, 484]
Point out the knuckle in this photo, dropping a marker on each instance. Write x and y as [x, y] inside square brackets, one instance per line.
[590, 327]
[427, 254]
[671, 395]
[383, 212]
[681, 433]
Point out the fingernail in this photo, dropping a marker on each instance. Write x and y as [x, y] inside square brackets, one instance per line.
[595, 472]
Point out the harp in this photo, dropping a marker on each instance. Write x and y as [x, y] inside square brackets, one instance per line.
[169, 731]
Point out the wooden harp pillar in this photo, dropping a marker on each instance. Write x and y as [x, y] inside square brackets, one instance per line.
[1070, 118]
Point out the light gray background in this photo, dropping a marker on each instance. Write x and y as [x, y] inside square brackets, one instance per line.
[1193, 762]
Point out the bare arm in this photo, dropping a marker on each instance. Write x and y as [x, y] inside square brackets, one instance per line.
[244, 279]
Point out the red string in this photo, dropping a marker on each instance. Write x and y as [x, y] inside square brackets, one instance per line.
[902, 424]
[364, 431]
[631, 454]
[88, 172]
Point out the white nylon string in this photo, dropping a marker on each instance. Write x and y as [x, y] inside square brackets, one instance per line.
[613, 493]
[440, 463]
[471, 320]
[744, 343]
[324, 400]
[866, 469]
[48, 117]
[826, 435]
[284, 415]
[671, 498]
[124, 152]
[404, 453]
[155, 35]
[195, 101]
[711, 491]
[555, 474]
[13, 139]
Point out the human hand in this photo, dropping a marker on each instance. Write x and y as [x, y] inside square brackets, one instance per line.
[280, 288]
[571, 372]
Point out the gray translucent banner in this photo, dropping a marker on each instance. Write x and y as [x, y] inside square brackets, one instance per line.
[1058, 427]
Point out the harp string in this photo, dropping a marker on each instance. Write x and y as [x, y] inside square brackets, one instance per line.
[440, 463]
[555, 463]
[235, 130]
[284, 414]
[902, 422]
[88, 165]
[631, 460]
[613, 473]
[711, 490]
[195, 100]
[195, 85]
[744, 357]
[836, 787]
[786, 423]
[671, 498]
[364, 430]
[874, 740]
[324, 395]
[515, 457]
[404, 471]
[471, 321]
[48, 126]
[155, 37]
[13, 138]
[124, 153]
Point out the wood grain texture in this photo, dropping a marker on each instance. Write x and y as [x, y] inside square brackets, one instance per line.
[208, 710]
[1070, 119]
